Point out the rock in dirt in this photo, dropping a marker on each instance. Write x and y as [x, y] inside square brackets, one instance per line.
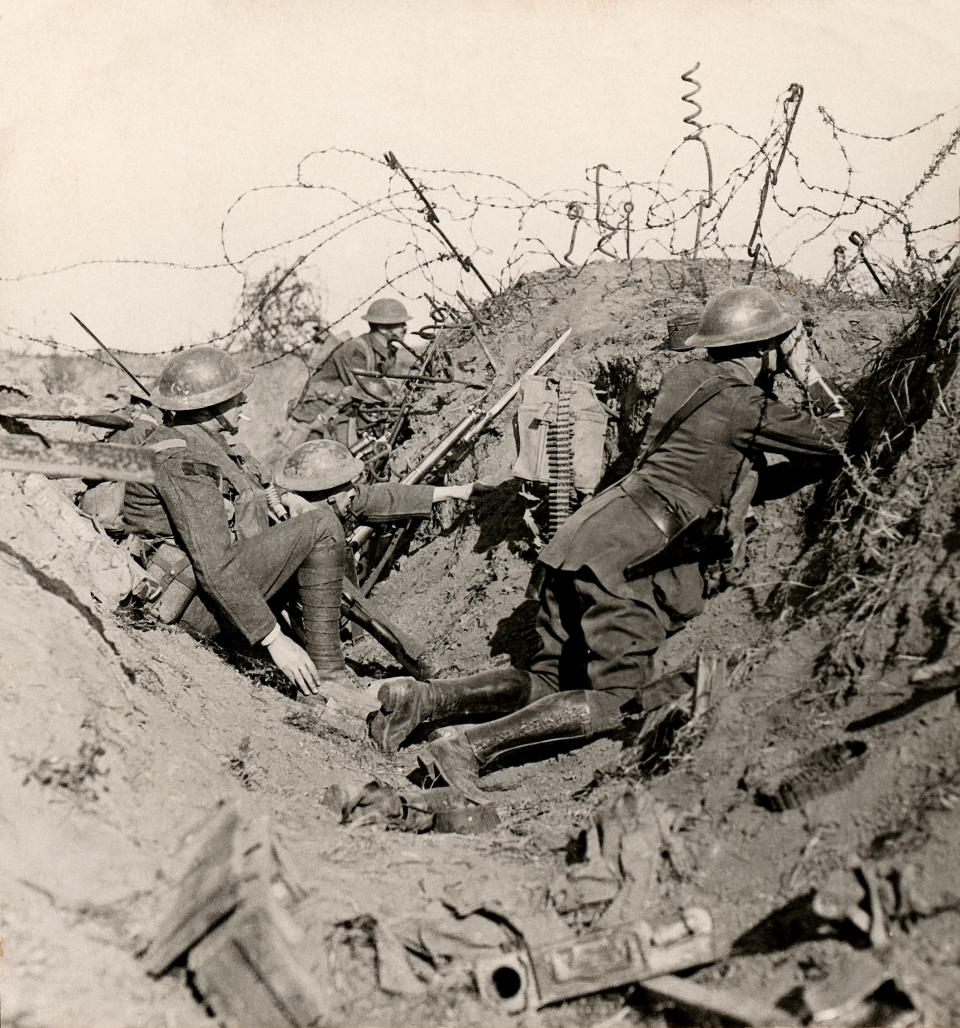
[48, 531]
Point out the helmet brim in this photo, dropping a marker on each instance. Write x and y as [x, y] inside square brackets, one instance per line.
[209, 398]
[774, 330]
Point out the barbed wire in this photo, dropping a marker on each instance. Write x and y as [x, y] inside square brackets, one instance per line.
[656, 212]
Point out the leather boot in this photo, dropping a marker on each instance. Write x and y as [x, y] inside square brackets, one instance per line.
[320, 578]
[406, 704]
[577, 714]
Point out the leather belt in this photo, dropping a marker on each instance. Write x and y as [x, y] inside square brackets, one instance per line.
[658, 510]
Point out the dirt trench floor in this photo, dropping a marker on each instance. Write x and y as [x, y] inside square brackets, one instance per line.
[121, 740]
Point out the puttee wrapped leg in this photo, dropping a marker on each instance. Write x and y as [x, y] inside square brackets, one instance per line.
[320, 579]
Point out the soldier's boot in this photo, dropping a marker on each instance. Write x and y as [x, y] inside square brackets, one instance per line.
[558, 717]
[406, 704]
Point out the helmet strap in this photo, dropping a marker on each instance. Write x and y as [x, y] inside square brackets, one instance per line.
[225, 425]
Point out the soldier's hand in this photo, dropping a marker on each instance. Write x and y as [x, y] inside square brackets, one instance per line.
[796, 354]
[295, 663]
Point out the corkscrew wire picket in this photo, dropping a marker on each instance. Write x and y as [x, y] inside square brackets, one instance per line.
[692, 120]
[575, 214]
[794, 98]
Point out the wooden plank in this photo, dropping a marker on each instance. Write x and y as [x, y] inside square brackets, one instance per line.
[54, 408]
[250, 975]
[77, 460]
[208, 892]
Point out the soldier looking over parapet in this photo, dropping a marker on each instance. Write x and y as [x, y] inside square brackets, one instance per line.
[339, 404]
[624, 571]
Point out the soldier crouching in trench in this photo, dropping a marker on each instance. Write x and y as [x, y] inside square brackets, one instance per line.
[622, 573]
[343, 398]
[324, 471]
[204, 525]
[205, 522]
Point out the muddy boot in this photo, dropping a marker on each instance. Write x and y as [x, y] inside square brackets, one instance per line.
[406, 704]
[558, 717]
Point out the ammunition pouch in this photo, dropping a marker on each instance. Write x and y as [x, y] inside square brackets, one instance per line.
[170, 584]
[537, 414]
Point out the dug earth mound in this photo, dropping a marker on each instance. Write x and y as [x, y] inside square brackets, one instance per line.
[826, 758]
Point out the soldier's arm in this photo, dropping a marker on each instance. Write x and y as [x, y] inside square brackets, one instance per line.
[763, 424]
[387, 501]
[191, 494]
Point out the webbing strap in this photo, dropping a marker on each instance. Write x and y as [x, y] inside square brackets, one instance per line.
[707, 390]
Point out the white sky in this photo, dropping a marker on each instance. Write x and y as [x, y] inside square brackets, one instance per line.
[127, 128]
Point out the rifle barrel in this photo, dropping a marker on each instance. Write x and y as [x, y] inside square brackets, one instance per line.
[417, 378]
[469, 427]
[116, 360]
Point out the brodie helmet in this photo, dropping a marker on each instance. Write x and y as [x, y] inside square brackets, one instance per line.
[386, 312]
[202, 376]
[318, 465]
[738, 316]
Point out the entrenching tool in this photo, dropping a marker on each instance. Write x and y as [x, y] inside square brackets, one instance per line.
[860, 243]
[410, 652]
[76, 460]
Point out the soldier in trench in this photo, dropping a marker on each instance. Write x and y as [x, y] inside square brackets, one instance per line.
[339, 403]
[205, 535]
[624, 571]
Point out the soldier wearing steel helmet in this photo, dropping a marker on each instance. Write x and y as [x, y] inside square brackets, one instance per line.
[337, 402]
[205, 531]
[623, 572]
[325, 472]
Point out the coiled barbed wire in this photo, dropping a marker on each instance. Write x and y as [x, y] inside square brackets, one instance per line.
[466, 196]
[692, 120]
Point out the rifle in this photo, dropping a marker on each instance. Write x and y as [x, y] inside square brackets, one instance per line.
[410, 652]
[464, 434]
[116, 360]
